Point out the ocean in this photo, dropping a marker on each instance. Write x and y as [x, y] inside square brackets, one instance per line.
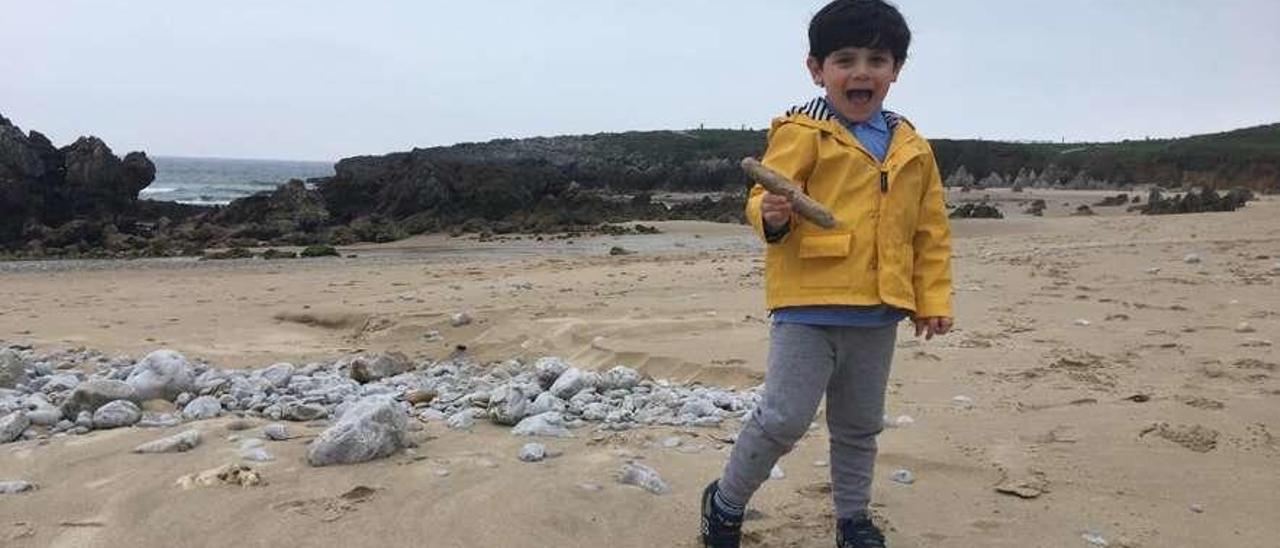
[217, 181]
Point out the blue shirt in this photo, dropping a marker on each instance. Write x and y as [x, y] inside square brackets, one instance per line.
[874, 135]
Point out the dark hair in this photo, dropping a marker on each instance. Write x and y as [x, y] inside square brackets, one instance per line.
[872, 24]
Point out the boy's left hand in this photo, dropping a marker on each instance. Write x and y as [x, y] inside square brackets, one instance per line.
[936, 325]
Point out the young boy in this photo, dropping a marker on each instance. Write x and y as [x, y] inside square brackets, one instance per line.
[836, 295]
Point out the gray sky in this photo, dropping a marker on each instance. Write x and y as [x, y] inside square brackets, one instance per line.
[321, 79]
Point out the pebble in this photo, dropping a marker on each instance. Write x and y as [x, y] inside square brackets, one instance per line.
[460, 319]
[903, 476]
[1153, 270]
[639, 475]
[1094, 538]
[276, 432]
[776, 473]
[177, 443]
[442, 473]
[1244, 327]
[672, 442]
[964, 402]
[13, 487]
[819, 464]
[1191, 258]
[1082, 323]
[533, 452]
[902, 421]
[591, 487]
[252, 450]
[1197, 508]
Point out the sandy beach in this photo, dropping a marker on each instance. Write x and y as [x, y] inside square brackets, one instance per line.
[1102, 383]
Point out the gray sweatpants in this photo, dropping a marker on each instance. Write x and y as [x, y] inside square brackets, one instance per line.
[851, 366]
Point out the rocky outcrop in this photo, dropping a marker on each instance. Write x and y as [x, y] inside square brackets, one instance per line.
[43, 189]
[1195, 202]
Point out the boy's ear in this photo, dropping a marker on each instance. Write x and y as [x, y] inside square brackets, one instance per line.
[815, 69]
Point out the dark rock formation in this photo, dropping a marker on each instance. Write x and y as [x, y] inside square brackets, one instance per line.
[1036, 208]
[78, 195]
[977, 211]
[1117, 200]
[1195, 202]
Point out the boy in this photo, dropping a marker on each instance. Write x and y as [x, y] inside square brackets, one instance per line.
[836, 295]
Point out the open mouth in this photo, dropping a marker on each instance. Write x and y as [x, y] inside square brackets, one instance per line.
[858, 96]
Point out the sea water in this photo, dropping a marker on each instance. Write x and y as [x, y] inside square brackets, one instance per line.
[217, 181]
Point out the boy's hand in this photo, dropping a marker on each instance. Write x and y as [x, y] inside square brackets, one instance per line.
[936, 325]
[776, 210]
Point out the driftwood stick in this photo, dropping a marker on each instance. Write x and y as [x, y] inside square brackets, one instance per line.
[776, 183]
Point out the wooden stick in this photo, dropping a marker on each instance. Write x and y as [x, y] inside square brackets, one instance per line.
[778, 184]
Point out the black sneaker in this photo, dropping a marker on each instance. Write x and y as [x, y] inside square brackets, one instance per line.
[719, 529]
[858, 532]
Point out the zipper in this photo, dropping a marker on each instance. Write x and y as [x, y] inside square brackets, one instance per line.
[884, 181]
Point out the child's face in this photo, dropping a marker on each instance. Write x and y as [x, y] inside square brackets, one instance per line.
[856, 79]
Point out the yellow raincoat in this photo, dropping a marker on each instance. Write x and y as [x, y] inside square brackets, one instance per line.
[893, 243]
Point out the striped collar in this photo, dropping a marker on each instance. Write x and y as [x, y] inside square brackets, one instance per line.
[819, 109]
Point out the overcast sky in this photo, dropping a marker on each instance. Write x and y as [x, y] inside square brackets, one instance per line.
[322, 80]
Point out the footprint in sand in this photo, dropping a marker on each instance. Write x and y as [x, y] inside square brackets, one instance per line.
[328, 509]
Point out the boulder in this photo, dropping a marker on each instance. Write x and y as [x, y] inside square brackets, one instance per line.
[162, 374]
[12, 369]
[12, 426]
[201, 408]
[365, 369]
[372, 428]
[88, 396]
[116, 414]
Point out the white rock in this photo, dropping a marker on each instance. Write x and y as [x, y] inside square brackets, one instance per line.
[776, 473]
[550, 424]
[462, 420]
[276, 432]
[672, 442]
[162, 374]
[431, 415]
[1082, 323]
[545, 402]
[962, 401]
[569, 383]
[116, 414]
[1191, 258]
[252, 450]
[1094, 538]
[202, 408]
[1153, 270]
[12, 369]
[508, 405]
[619, 378]
[1244, 327]
[903, 476]
[13, 487]
[643, 477]
[12, 426]
[533, 452]
[177, 443]
[460, 319]
[277, 374]
[371, 428]
[819, 464]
